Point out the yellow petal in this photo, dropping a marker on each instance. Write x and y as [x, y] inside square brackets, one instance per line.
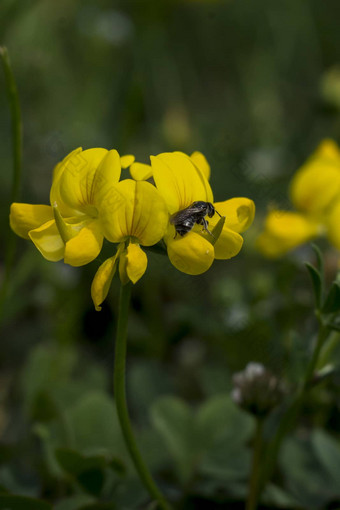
[48, 241]
[127, 160]
[76, 184]
[327, 149]
[333, 224]
[102, 281]
[134, 209]
[284, 231]
[317, 183]
[191, 254]
[136, 262]
[84, 247]
[239, 213]
[201, 162]
[26, 217]
[60, 167]
[178, 180]
[140, 171]
[108, 173]
[228, 244]
[74, 157]
[132, 264]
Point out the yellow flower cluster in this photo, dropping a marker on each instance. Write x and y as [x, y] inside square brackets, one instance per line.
[90, 202]
[315, 194]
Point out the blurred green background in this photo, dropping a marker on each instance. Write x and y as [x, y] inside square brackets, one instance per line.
[255, 86]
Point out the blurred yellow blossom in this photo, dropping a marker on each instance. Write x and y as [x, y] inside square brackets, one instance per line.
[315, 194]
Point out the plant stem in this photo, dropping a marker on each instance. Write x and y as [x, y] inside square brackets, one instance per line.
[17, 159]
[120, 398]
[292, 412]
[255, 469]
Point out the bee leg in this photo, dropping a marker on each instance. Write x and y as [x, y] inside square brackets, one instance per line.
[205, 224]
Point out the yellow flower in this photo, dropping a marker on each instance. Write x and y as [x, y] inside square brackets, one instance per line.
[141, 219]
[70, 228]
[182, 180]
[315, 194]
[143, 171]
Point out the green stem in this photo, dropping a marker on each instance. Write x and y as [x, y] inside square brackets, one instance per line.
[17, 159]
[255, 469]
[291, 415]
[120, 398]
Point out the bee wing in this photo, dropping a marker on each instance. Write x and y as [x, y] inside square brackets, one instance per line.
[181, 216]
[189, 212]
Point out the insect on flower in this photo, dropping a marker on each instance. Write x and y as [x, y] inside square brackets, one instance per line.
[185, 219]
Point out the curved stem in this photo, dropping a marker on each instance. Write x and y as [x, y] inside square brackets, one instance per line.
[255, 469]
[120, 398]
[17, 158]
[291, 415]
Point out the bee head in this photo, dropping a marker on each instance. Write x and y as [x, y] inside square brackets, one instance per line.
[200, 205]
[210, 209]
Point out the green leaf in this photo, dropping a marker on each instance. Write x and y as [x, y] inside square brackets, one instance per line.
[95, 427]
[74, 502]
[75, 463]
[306, 479]
[332, 302]
[98, 506]
[317, 284]
[319, 258]
[191, 437]
[174, 420]
[88, 470]
[333, 326]
[328, 452]
[219, 417]
[10, 502]
[217, 230]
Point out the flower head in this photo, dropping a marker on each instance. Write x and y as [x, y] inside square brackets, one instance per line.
[315, 194]
[141, 219]
[70, 227]
[257, 390]
[182, 180]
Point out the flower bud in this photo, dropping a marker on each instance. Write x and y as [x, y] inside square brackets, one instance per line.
[257, 390]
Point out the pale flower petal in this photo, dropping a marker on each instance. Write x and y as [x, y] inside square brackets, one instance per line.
[84, 247]
[191, 254]
[48, 241]
[102, 281]
[26, 217]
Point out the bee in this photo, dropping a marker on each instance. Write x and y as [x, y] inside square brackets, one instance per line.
[185, 219]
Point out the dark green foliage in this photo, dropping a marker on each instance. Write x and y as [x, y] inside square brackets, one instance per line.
[244, 83]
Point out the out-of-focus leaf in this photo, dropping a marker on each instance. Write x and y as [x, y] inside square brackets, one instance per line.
[74, 502]
[220, 417]
[317, 284]
[88, 470]
[98, 506]
[117, 466]
[196, 437]
[327, 450]
[275, 496]
[10, 502]
[305, 477]
[95, 426]
[319, 258]
[298, 358]
[174, 420]
[332, 302]
[75, 463]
